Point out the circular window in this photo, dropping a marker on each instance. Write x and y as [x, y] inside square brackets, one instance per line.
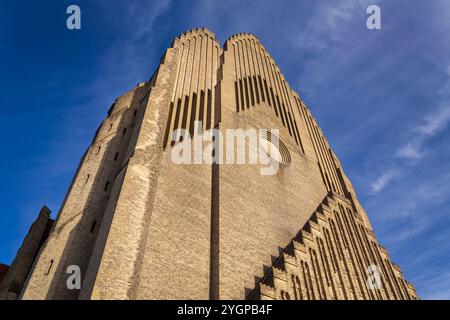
[274, 147]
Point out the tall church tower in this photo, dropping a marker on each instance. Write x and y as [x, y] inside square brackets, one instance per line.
[140, 226]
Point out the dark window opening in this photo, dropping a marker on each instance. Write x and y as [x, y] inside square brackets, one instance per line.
[267, 93]
[185, 114]
[177, 117]
[247, 97]
[193, 111]
[236, 95]
[256, 89]
[106, 186]
[241, 94]
[49, 268]
[93, 226]
[261, 90]
[209, 110]
[252, 94]
[166, 137]
[116, 156]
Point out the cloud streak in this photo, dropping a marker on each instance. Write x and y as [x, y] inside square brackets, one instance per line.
[381, 183]
[432, 125]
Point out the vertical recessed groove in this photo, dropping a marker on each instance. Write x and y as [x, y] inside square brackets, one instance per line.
[273, 99]
[335, 169]
[241, 74]
[185, 113]
[293, 128]
[299, 138]
[251, 71]
[177, 117]
[201, 114]
[247, 99]
[180, 61]
[214, 263]
[280, 110]
[236, 90]
[191, 84]
[267, 93]
[242, 95]
[287, 96]
[208, 111]
[278, 94]
[261, 90]
[213, 83]
[314, 143]
[256, 90]
[326, 158]
[331, 165]
[264, 71]
[271, 82]
[166, 136]
[255, 69]
[319, 149]
[252, 96]
[205, 86]
[289, 125]
[193, 110]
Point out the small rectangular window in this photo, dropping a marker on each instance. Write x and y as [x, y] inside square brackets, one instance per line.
[93, 226]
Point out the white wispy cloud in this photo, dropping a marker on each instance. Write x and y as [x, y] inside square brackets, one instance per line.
[410, 150]
[433, 124]
[382, 181]
[328, 24]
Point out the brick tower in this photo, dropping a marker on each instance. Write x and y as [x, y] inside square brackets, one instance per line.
[140, 226]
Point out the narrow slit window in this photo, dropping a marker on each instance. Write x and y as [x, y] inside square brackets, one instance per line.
[242, 94]
[247, 97]
[94, 223]
[202, 108]
[49, 268]
[116, 156]
[193, 112]
[106, 186]
[267, 93]
[177, 119]
[255, 83]
[236, 95]
[261, 90]
[252, 94]
[209, 110]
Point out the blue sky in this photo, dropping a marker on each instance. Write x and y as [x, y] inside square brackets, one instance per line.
[381, 97]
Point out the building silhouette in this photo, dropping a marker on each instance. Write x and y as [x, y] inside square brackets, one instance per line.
[140, 226]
